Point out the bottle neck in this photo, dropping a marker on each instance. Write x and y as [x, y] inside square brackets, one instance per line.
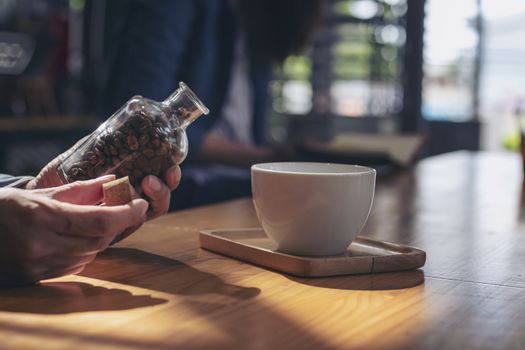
[185, 105]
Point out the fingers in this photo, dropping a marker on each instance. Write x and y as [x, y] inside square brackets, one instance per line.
[61, 262]
[59, 273]
[98, 221]
[80, 246]
[81, 192]
[159, 192]
[51, 267]
[159, 195]
[54, 244]
[172, 177]
[125, 234]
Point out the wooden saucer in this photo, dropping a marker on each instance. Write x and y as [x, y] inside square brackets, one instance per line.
[364, 255]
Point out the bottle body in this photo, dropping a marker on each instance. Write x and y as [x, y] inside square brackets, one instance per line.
[143, 137]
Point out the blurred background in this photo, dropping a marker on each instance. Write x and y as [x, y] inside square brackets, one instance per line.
[450, 72]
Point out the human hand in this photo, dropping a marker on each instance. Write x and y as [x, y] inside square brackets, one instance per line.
[57, 231]
[158, 194]
[156, 190]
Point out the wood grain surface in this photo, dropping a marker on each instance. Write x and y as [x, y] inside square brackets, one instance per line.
[158, 290]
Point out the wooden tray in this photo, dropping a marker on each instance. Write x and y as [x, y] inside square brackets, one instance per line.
[364, 255]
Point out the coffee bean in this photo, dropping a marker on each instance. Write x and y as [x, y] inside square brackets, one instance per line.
[113, 150]
[127, 166]
[99, 171]
[146, 129]
[144, 140]
[163, 149]
[99, 145]
[136, 173]
[142, 161]
[133, 144]
[148, 152]
[101, 162]
[156, 164]
[155, 142]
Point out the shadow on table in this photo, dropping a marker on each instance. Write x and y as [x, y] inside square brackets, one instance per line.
[376, 281]
[204, 293]
[254, 324]
[146, 270]
[69, 297]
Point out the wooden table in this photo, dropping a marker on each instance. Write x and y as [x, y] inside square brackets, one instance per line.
[158, 290]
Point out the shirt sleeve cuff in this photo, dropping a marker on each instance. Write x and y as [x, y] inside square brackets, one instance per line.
[20, 182]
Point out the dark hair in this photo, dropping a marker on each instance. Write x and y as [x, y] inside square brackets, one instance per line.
[278, 28]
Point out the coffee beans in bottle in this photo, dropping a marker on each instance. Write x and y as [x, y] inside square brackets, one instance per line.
[144, 137]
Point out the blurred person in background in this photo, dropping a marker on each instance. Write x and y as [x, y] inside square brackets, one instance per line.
[225, 51]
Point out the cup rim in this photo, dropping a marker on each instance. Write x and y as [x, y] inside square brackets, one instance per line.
[266, 168]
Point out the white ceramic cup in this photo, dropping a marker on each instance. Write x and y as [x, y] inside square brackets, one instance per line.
[312, 208]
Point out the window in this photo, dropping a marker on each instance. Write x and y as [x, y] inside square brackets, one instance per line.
[502, 95]
[354, 67]
[451, 56]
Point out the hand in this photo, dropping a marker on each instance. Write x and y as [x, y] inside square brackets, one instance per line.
[157, 191]
[57, 231]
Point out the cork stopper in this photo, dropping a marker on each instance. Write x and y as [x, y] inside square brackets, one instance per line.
[117, 192]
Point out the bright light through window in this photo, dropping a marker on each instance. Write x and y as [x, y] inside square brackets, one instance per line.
[502, 101]
[449, 53]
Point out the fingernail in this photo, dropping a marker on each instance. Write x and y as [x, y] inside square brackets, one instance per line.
[143, 204]
[105, 177]
[154, 183]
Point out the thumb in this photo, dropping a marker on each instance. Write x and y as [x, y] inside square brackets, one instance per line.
[81, 192]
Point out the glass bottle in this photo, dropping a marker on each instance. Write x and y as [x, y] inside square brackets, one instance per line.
[144, 137]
